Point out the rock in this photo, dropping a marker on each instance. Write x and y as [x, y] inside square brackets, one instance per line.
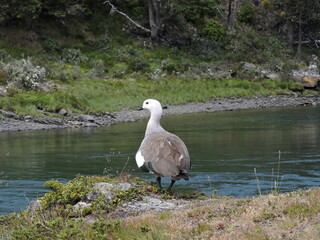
[81, 205]
[107, 189]
[150, 203]
[27, 118]
[122, 186]
[9, 114]
[63, 112]
[3, 91]
[108, 114]
[307, 81]
[34, 206]
[47, 121]
[308, 78]
[90, 124]
[86, 118]
[272, 75]
[249, 66]
[74, 123]
[310, 82]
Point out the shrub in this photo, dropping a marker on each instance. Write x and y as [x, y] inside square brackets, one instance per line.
[23, 74]
[138, 65]
[246, 13]
[51, 45]
[215, 31]
[73, 56]
[97, 68]
[65, 72]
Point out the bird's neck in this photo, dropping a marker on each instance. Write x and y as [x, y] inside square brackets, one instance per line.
[154, 124]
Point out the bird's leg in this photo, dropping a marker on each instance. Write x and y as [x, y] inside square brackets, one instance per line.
[159, 181]
[170, 187]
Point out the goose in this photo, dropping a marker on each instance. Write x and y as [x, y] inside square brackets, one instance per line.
[161, 152]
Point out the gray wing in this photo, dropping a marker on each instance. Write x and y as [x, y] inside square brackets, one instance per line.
[165, 154]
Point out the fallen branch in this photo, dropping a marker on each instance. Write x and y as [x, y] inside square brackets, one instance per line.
[114, 9]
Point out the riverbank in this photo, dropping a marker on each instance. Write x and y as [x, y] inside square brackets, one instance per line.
[12, 122]
[125, 208]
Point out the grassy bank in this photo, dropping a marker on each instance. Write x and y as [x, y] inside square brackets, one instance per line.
[113, 95]
[274, 216]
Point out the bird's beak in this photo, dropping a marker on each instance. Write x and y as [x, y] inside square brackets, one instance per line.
[139, 109]
[165, 107]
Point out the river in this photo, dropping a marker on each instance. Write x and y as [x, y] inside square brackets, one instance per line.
[236, 153]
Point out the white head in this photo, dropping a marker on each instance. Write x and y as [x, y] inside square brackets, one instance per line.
[152, 105]
[155, 109]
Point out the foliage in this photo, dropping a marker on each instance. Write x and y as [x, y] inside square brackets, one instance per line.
[19, 10]
[73, 56]
[247, 12]
[249, 44]
[70, 193]
[97, 95]
[51, 44]
[23, 74]
[215, 31]
[196, 10]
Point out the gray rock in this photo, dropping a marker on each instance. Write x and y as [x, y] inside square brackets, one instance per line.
[153, 204]
[86, 118]
[54, 121]
[271, 75]
[90, 124]
[63, 112]
[107, 189]
[249, 66]
[27, 118]
[9, 114]
[122, 186]
[81, 205]
[75, 123]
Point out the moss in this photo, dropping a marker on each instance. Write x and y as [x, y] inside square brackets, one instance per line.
[300, 210]
[69, 193]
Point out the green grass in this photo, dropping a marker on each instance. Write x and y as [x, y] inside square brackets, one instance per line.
[114, 95]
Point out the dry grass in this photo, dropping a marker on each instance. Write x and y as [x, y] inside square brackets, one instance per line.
[285, 216]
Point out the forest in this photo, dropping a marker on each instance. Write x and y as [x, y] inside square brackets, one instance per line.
[51, 46]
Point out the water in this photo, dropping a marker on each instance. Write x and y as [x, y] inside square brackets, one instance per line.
[225, 148]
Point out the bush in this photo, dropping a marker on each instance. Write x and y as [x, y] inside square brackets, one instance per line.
[246, 13]
[65, 72]
[215, 31]
[73, 56]
[51, 45]
[23, 74]
[97, 68]
[138, 65]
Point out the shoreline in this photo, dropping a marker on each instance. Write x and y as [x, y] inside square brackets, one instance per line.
[12, 123]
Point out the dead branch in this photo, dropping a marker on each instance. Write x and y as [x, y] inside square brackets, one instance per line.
[114, 9]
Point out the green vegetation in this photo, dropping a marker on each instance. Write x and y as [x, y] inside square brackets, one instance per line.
[293, 215]
[97, 96]
[74, 55]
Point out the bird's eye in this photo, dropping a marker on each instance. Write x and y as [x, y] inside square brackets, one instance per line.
[147, 102]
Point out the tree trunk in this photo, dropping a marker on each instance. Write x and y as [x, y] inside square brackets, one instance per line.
[229, 13]
[232, 8]
[154, 20]
[300, 35]
[289, 28]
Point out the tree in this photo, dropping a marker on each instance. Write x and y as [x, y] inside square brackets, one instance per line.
[301, 17]
[161, 11]
[24, 11]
